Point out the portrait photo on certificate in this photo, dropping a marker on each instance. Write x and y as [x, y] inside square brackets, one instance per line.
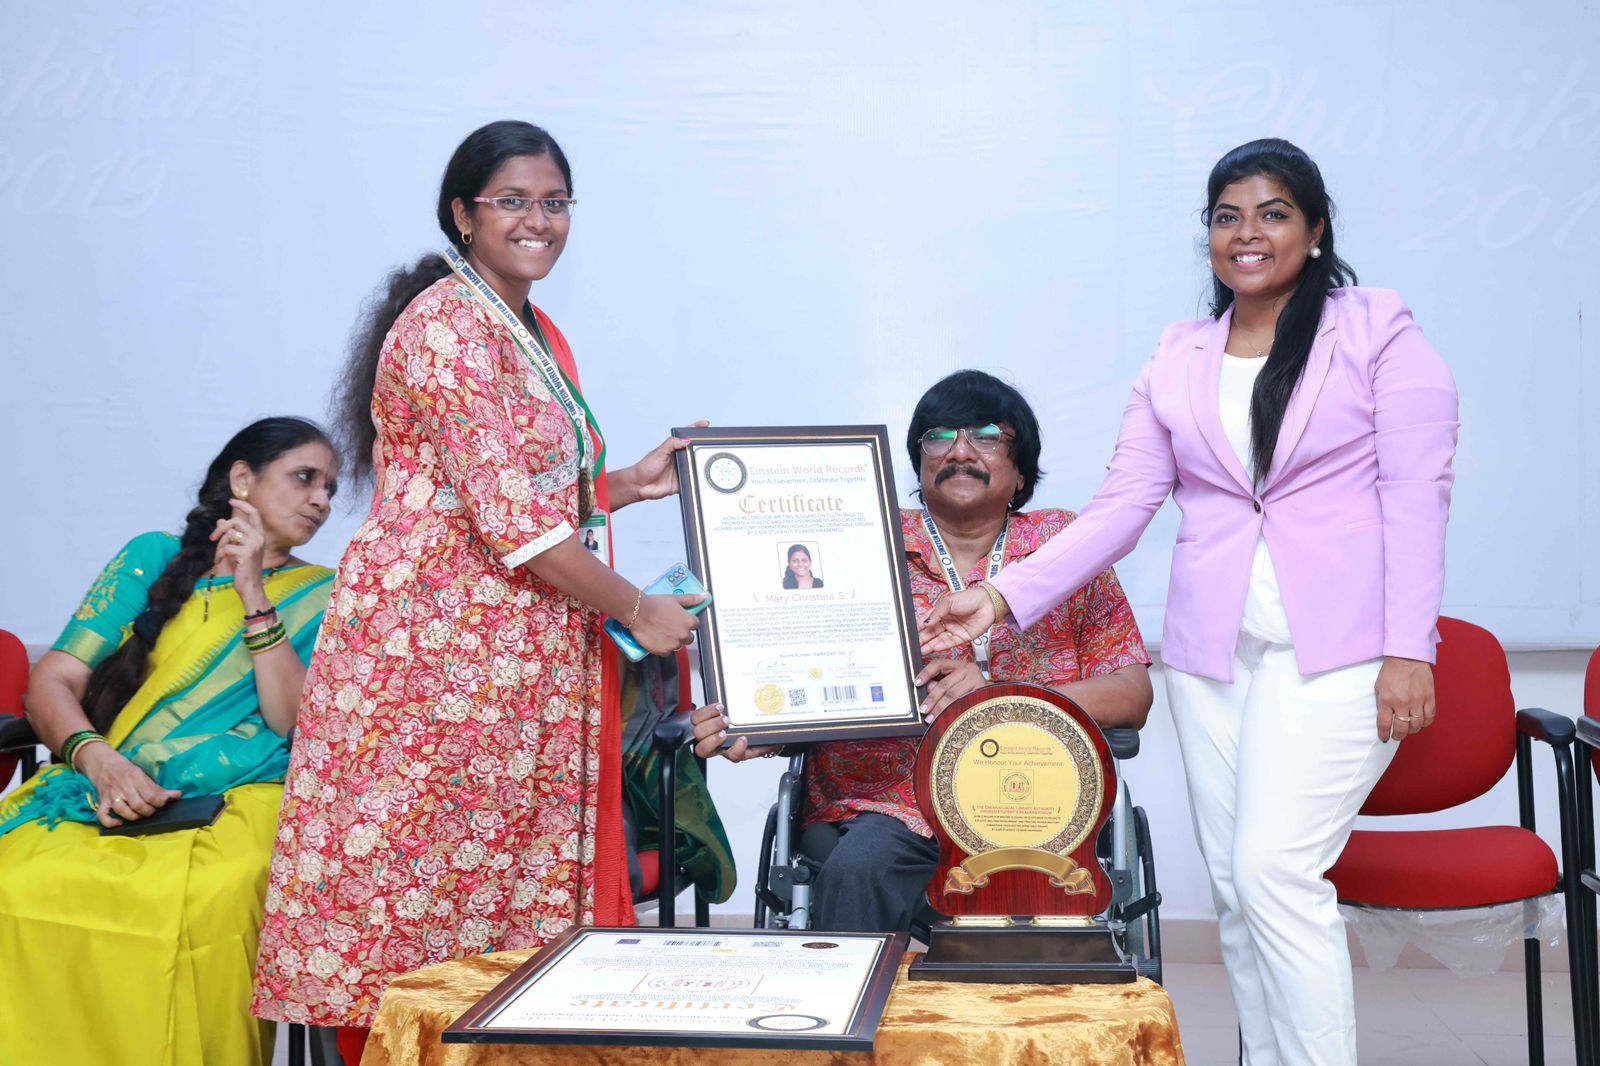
[795, 532]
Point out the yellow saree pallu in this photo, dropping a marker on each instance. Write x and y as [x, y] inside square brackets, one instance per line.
[140, 950]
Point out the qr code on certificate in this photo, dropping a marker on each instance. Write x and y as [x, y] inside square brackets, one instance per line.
[797, 697]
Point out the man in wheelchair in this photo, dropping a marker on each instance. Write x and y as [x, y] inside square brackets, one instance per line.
[974, 443]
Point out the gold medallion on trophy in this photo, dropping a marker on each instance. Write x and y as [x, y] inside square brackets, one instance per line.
[1017, 786]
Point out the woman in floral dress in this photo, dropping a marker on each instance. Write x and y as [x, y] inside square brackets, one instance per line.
[454, 786]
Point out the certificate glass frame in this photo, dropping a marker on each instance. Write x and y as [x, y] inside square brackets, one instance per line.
[837, 659]
[584, 989]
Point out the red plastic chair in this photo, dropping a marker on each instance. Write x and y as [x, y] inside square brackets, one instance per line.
[1591, 699]
[13, 683]
[1473, 742]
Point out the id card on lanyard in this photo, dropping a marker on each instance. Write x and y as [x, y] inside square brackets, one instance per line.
[595, 537]
[952, 577]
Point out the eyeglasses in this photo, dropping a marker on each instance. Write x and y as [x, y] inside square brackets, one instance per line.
[552, 206]
[985, 440]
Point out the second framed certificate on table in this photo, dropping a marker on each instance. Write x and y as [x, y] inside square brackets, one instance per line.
[722, 988]
[796, 532]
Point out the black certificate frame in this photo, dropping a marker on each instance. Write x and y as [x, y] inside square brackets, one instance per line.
[474, 1027]
[707, 441]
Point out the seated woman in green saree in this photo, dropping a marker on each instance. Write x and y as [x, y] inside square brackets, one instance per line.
[180, 675]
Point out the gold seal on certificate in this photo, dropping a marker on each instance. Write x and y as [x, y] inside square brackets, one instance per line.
[795, 531]
[1016, 781]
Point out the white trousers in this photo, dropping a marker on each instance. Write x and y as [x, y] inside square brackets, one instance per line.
[1278, 765]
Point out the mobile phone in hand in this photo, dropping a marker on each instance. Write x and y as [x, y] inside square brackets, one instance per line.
[677, 581]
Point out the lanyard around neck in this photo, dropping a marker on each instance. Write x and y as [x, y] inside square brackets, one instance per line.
[952, 577]
[570, 399]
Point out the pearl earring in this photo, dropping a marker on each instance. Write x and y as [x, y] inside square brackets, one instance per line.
[1315, 253]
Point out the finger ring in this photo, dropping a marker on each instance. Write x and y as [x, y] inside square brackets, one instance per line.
[768, 754]
[238, 538]
[1402, 718]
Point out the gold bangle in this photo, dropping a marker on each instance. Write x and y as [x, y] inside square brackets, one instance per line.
[638, 602]
[259, 648]
[1001, 609]
[72, 759]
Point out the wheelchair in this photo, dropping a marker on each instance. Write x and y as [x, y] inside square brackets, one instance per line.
[791, 859]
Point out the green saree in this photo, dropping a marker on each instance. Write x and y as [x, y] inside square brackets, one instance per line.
[140, 950]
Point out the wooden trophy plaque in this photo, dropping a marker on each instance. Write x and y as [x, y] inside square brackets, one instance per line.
[1016, 781]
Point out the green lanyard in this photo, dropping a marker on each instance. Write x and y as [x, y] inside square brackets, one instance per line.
[537, 350]
[577, 394]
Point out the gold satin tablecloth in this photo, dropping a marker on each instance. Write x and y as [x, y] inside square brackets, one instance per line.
[925, 1022]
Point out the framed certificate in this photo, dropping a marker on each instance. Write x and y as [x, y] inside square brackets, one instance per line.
[796, 533]
[693, 988]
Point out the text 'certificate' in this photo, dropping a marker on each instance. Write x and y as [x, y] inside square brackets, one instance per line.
[796, 533]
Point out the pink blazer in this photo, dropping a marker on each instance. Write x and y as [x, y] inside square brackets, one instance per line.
[1353, 509]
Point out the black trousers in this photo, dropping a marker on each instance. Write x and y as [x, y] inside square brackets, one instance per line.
[875, 877]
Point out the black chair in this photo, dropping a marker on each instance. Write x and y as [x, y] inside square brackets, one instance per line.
[662, 877]
[1587, 766]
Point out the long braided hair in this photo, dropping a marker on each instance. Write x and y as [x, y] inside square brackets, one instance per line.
[116, 679]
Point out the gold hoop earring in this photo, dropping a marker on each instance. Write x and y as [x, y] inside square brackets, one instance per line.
[243, 494]
[466, 238]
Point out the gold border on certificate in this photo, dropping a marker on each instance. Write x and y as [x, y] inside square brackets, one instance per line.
[666, 987]
[832, 659]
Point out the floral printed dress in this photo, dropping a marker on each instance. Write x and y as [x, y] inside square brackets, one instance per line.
[443, 795]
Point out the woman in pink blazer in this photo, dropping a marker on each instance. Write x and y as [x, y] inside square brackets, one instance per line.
[1306, 432]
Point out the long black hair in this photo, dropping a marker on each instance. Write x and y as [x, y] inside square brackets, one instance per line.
[1297, 324]
[118, 677]
[465, 176]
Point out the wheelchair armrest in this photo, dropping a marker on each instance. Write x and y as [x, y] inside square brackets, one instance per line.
[673, 731]
[1540, 724]
[16, 732]
[1588, 731]
[1124, 742]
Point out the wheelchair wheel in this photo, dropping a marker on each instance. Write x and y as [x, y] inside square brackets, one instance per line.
[764, 868]
[1150, 925]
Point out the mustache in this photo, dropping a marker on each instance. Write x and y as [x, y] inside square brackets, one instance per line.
[951, 471]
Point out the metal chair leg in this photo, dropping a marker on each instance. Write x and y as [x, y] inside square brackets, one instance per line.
[297, 1045]
[1535, 994]
[1572, 852]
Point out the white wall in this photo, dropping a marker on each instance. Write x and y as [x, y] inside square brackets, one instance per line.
[792, 214]
[787, 214]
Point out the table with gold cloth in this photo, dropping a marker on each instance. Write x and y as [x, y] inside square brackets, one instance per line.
[924, 1022]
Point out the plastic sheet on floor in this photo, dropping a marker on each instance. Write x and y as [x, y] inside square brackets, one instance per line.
[1470, 943]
